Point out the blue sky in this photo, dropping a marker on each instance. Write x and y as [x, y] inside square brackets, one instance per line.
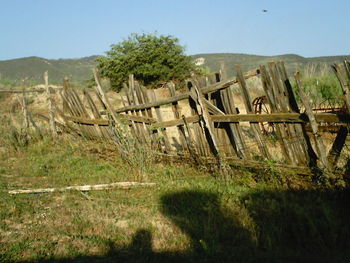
[78, 28]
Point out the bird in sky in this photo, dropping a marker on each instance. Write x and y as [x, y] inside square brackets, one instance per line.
[264, 11]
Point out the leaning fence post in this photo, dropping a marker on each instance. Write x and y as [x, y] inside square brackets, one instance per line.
[104, 97]
[321, 149]
[49, 103]
[22, 102]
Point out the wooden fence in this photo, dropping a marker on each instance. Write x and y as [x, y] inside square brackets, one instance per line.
[207, 124]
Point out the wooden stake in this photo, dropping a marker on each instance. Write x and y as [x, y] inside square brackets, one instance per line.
[104, 97]
[321, 149]
[49, 103]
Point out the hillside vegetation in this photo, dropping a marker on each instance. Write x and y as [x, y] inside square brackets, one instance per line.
[32, 68]
[79, 70]
[247, 62]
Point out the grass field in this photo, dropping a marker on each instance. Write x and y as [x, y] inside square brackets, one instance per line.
[191, 215]
[188, 216]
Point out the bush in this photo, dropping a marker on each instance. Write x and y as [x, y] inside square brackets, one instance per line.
[154, 60]
[322, 88]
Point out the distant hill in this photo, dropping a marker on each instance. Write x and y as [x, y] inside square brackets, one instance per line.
[79, 70]
[247, 62]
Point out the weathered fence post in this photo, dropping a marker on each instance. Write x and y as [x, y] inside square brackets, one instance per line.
[23, 103]
[104, 97]
[321, 149]
[249, 108]
[50, 107]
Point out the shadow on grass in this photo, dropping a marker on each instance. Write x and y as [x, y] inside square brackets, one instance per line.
[287, 226]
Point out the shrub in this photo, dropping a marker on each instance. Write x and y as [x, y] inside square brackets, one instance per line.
[154, 60]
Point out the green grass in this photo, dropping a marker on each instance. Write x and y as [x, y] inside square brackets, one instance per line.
[188, 216]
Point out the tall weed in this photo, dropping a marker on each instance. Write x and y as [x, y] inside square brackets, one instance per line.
[135, 153]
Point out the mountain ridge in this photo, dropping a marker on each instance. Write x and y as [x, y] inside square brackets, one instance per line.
[12, 71]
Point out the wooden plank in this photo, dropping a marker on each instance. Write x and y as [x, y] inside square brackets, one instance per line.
[80, 120]
[177, 115]
[201, 144]
[68, 128]
[66, 125]
[91, 130]
[82, 112]
[143, 98]
[287, 132]
[304, 142]
[249, 108]
[154, 104]
[190, 142]
[208, 124]
[136, 118]
[216, 107]
[70, 109]
[212, 108]
[21, 91]
[272, 117]
[282, 117]
[235, 133]
[104, 98]
[227, 83]
[167, 145]
[138, 131]
[136, 99]
[230, 109]
[95, 112]
[295, 147]
[280, 129]
[305, 150]
[321, 149]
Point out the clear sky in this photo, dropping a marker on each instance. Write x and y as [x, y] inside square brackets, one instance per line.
[78, 28]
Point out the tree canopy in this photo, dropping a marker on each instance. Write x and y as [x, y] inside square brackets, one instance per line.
[154, 60]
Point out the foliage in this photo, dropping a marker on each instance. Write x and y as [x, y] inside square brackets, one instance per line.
[325, 87]
[321, 88]
[154, 60]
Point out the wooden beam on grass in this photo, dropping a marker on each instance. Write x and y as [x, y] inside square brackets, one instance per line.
[83, 188]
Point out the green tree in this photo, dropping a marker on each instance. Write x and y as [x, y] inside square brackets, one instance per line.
[154, 60]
